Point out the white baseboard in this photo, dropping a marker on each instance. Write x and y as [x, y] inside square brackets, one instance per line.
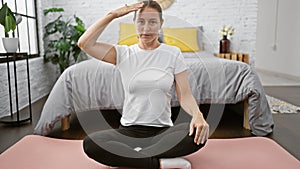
[279, 75]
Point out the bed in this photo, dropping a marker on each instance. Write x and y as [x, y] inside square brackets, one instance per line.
[95, 85]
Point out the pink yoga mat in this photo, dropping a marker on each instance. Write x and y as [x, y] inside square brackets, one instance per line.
[38, 152]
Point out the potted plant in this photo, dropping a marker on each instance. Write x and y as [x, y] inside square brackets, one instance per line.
[9, 21]
[61, 38]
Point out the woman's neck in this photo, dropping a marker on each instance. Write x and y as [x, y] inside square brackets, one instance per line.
[150, 45]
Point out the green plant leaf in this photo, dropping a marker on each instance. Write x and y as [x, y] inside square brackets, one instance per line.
[3, 14]
[78, 20]
[62, 45]
[8, 20]
[80, 25]
[53, 10]
[8, 24]
[80, 28]
[54, 26]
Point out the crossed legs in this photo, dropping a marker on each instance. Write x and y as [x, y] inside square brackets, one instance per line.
[140, 146]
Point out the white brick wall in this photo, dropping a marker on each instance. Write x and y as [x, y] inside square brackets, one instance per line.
[211, 14]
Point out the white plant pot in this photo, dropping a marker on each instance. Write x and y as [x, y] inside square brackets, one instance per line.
[10, 44]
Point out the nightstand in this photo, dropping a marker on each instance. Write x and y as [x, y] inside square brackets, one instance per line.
[234, 56]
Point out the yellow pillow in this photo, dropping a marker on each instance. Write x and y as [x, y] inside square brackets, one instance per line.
[127, 34]
[184, 38]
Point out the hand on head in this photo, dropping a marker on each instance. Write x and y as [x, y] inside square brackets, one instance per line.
[127, 9]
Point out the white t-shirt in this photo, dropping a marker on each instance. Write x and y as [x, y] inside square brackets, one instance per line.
[147, 77]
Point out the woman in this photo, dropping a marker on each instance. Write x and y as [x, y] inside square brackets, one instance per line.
[146, 137]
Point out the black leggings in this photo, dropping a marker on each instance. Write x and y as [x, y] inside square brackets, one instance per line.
[139, 146]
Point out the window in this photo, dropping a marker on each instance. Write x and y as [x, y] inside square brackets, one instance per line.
[27, 29]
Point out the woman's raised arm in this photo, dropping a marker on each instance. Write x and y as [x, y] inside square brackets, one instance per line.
[101, 50]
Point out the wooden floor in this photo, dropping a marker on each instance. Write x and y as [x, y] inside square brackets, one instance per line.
[286, 131]
[290, 94]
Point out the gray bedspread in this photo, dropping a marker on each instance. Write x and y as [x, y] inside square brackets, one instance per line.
[93, 84]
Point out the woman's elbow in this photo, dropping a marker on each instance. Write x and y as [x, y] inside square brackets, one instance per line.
[84, 44]
[80, 44]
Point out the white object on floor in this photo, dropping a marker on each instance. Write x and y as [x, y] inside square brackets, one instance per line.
[175, 163]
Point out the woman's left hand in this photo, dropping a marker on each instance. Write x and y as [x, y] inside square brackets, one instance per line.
[202, 128]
